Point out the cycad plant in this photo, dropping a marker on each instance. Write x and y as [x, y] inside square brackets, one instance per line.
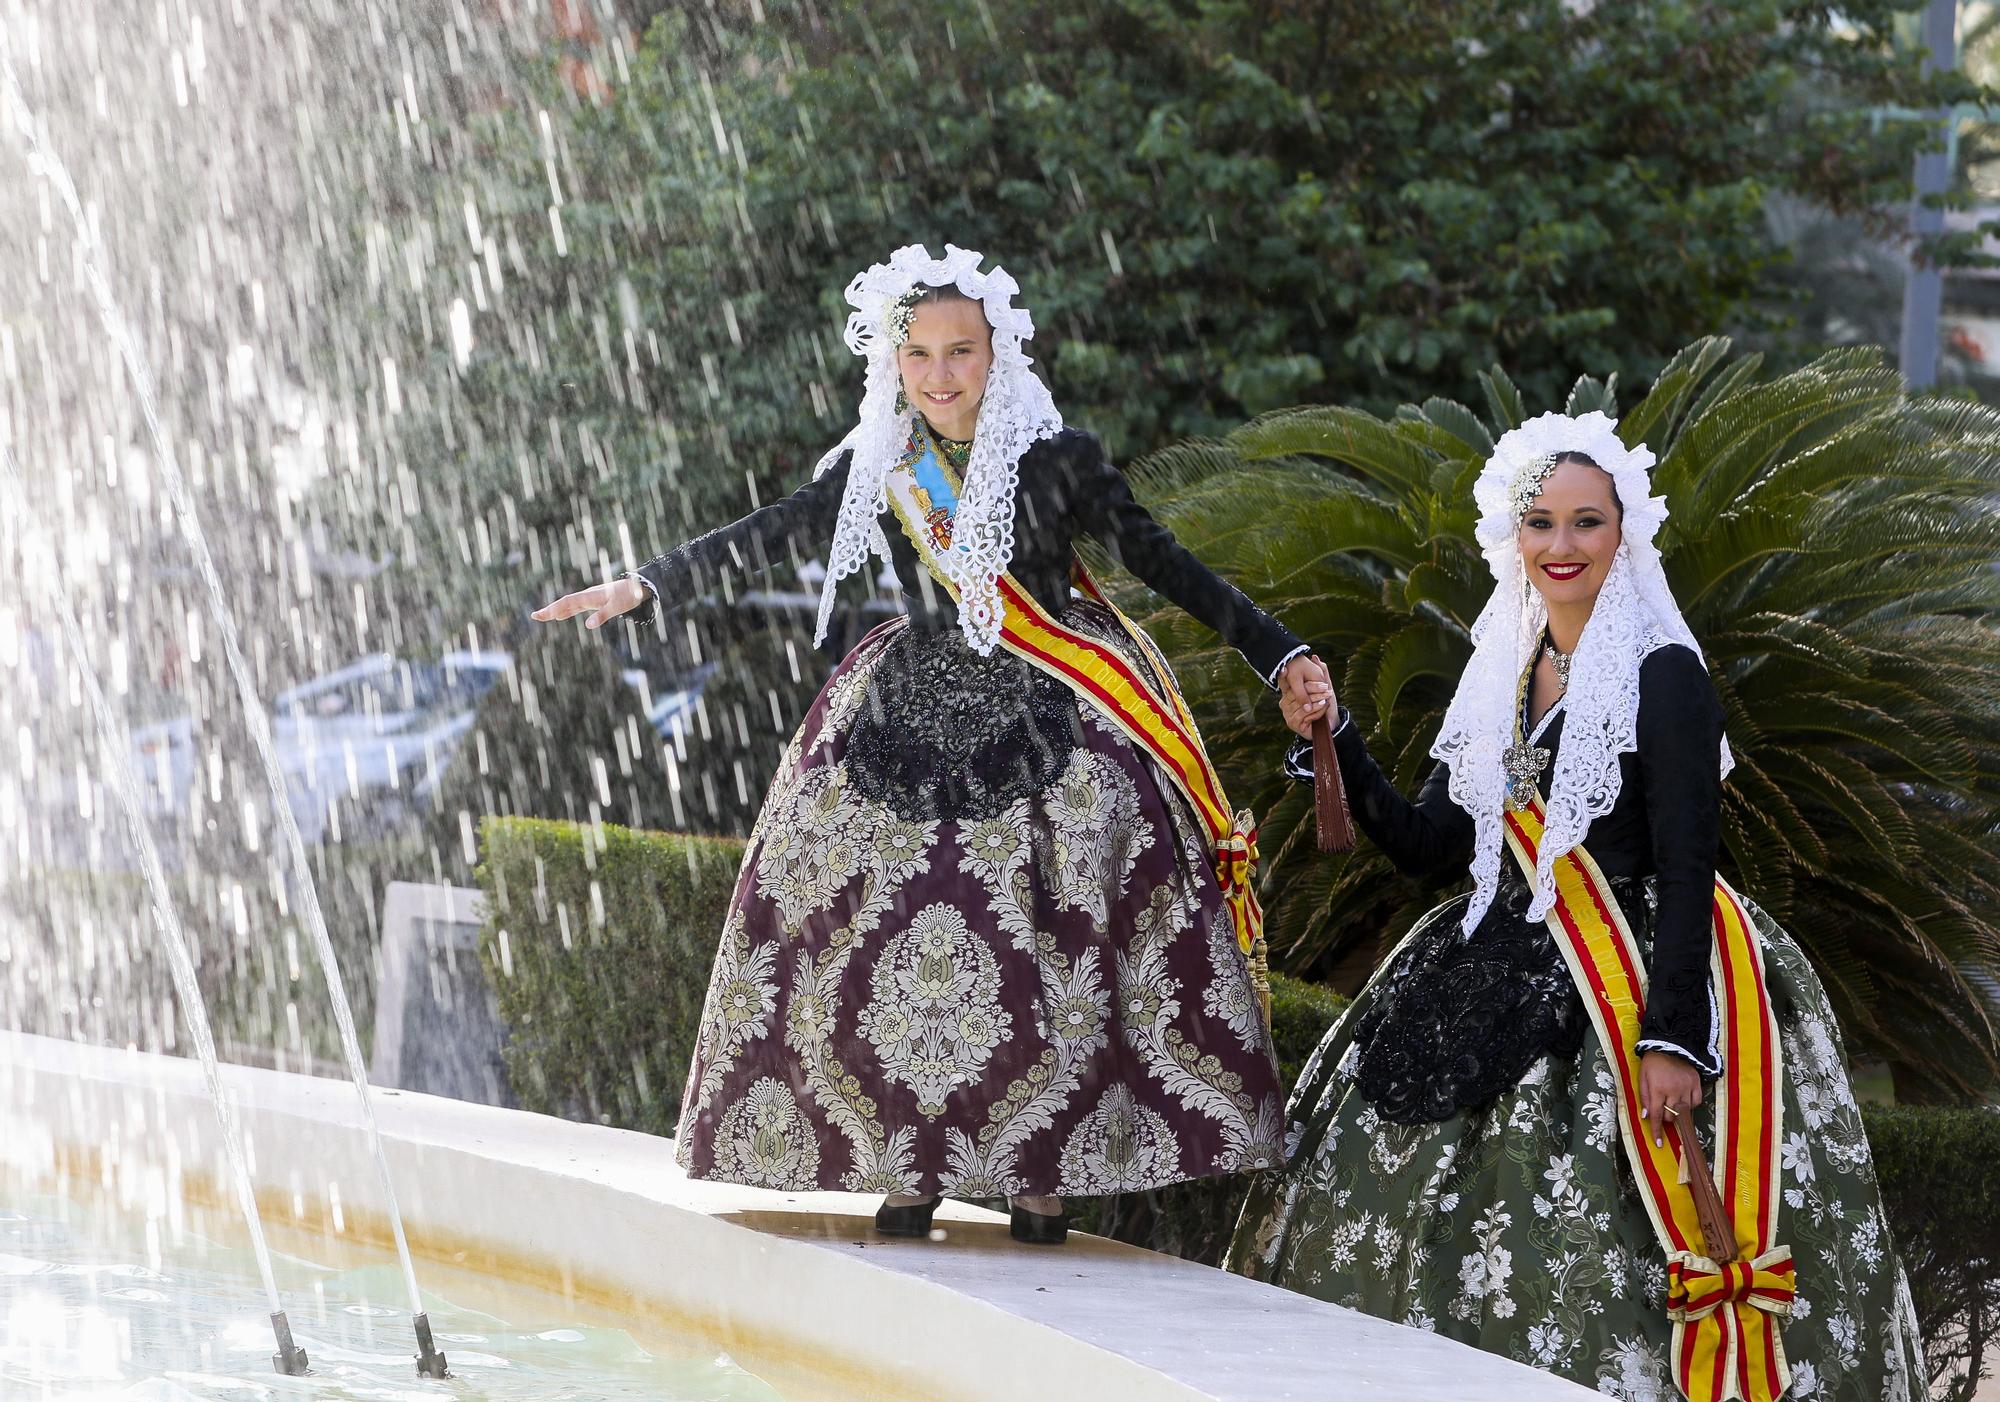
[1833, 542]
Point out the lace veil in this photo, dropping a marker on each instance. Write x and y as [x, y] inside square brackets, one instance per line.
[1015, 412]
[1635, 614]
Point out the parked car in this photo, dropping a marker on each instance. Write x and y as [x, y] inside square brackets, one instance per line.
[669, 710]
[164, 754]
[380, 725]
[381, 728]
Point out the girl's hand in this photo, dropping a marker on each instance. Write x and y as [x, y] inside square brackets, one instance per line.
[1666, 1083]
[603, 602]
[1305, 693]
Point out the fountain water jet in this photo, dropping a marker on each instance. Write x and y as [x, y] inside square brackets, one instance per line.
[43, 160]
[290, 1359]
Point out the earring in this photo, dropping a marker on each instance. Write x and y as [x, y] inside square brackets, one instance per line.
[902, 401]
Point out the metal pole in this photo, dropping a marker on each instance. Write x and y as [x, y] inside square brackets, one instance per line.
[1924, 290]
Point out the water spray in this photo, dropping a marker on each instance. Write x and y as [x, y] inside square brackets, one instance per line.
[42, 158]
[290, 1359]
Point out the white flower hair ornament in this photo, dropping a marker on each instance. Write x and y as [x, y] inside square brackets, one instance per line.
[1015, 413]
[1634, 615]
[1522, 461]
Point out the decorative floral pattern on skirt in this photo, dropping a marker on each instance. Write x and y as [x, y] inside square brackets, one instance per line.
[1514, 1227]
[1020, 981]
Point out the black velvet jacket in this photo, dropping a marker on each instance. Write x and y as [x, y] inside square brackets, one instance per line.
[1067, 489]
[1666, 825]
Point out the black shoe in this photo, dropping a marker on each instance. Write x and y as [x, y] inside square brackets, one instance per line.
[1037, 1228]
[914, 1220]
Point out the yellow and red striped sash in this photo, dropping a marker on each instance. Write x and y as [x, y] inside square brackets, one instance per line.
[1154, 718]
[1726, 1317]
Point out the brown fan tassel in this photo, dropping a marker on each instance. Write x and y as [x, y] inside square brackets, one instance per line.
[1336, 828]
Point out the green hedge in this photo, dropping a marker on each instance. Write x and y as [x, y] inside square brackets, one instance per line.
[599, 942]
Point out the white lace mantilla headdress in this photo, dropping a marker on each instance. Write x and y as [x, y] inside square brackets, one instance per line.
[1634, 615]
[1015, 413]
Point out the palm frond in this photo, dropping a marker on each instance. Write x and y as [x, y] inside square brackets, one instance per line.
[1503, 400]
[1461, 423]
[1590, 394]
[1671, 392]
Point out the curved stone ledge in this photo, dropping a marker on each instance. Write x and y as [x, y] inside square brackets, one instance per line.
[795, 1286]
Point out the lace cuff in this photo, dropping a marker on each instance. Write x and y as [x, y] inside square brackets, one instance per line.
[1709, 1071]
[1271, 677]
[1298, 762]
[649, 606]
[1698, 1046]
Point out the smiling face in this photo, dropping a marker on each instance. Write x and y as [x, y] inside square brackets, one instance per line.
[944, 362]
[1570, 533]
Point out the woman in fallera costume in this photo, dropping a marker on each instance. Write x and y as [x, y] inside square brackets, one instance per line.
[1477, 1149]
[991, 933]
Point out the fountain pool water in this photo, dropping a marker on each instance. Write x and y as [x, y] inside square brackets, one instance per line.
[158, 1300]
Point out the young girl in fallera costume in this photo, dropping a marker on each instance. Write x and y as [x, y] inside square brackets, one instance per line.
[1480, 1148]
[992, 932]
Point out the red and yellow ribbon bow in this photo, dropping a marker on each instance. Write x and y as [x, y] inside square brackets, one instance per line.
[1697, 1287]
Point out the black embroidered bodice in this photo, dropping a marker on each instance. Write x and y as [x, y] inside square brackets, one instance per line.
[1457, 1018]
[1457, 1021]
[943, 733]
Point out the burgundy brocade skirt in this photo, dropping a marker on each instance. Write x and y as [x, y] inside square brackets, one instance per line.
[977, 947]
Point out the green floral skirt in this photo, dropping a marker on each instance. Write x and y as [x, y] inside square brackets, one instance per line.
[1516, 1228]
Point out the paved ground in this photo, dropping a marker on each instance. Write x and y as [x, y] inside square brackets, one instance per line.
[1227, 1337]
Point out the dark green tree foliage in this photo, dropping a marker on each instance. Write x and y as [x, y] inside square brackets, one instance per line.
[1942, 1199]
[1831, 542]
[1215, 209]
